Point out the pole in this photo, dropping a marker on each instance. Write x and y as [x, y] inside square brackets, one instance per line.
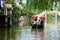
[6, 18]
[56, 19]
[45, 24]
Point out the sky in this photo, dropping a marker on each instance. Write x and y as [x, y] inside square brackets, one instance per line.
[24, 1]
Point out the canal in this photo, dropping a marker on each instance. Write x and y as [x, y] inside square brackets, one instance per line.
[27, 33]
[50, 32]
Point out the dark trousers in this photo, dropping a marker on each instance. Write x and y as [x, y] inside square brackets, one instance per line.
[41, 25]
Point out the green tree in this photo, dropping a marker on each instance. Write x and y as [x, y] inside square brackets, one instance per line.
[40, 5]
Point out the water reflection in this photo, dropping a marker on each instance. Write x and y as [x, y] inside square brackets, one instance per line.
[42, 35]
[37, 34]
[2, 37]
[4, 34]
[52, 33]
[17, 33]
[9, 33]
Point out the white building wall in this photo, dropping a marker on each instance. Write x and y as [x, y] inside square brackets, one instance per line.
[17, 1]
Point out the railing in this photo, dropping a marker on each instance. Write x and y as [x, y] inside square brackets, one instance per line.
[56, 14]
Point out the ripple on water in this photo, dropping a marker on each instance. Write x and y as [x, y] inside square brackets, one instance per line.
[52, 33]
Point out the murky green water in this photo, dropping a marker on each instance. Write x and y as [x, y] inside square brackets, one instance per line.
[18, 33]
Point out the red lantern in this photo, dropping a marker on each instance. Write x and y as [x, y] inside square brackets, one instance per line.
[33, 17]
[42, 17]
[36, 17]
